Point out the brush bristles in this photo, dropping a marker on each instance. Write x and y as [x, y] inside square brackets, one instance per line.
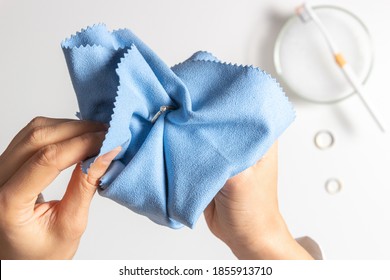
[302, 13]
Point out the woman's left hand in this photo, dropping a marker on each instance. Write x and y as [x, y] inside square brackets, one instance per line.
[30, 229]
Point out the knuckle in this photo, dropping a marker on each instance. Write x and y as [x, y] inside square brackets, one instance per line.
[36, 135]
[88, 186]
[92, 180]
[47, 155]
[37, 121]
[86, 138]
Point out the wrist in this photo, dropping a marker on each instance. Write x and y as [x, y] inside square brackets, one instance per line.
[275, 242]
[260, 240]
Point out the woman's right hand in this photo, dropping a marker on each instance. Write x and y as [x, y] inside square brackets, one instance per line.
[245, 214]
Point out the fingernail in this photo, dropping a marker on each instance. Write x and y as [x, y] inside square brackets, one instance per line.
[108, 157]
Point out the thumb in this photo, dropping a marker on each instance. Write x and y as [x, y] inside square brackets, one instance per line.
[82, 187]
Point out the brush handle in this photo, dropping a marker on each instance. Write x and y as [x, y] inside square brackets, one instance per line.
[353, 80]
[306, 13]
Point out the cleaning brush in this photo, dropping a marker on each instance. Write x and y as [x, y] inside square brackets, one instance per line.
[307, 14]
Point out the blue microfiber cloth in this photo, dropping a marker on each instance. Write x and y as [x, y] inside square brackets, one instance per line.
[221, 119]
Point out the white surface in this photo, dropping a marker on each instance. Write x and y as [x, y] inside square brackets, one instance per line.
[353, 224]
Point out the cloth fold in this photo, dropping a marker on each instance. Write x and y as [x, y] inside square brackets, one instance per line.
[225, 118]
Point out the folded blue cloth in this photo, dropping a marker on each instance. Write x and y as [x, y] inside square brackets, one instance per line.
[221, 119]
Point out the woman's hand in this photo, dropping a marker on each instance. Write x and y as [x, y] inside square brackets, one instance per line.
[245, 214]
[35, 157]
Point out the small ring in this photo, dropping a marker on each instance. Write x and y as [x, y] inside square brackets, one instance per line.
[319, 139]
[162, 110]
[333, 186]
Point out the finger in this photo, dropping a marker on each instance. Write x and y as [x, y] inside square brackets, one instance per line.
[82, 187]
[271, 157]
[41, 136]
[209, 212]
[34, 123]
[45, 165]
[265, 170]
[267, 167]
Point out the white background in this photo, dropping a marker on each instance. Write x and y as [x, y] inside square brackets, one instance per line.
[354, 224]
